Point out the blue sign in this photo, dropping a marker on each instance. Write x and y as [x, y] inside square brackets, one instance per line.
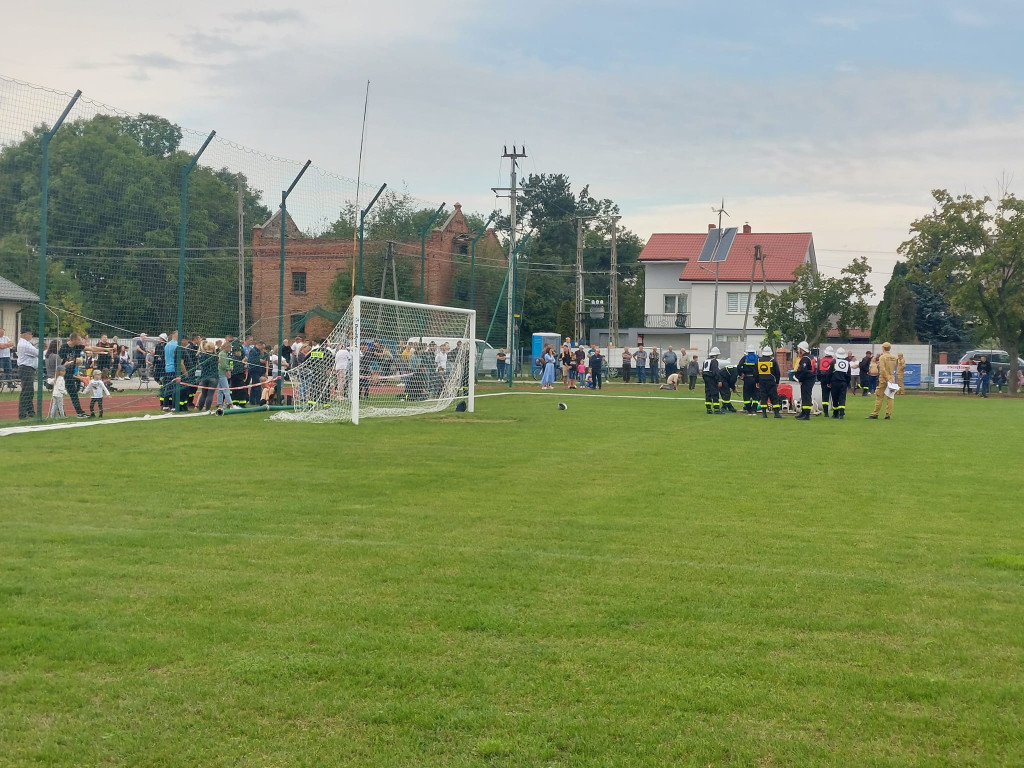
[912, 375]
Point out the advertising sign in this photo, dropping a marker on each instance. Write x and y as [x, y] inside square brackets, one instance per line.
[952, 376]
[912, 375]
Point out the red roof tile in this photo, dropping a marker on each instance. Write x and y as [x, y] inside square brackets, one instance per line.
[783, 254]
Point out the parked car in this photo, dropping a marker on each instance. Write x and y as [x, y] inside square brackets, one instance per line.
[995, 356]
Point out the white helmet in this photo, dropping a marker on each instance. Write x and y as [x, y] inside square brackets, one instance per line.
[803, 346]
[751, 348]
[767, 351]
[715, 351]
[841, 353]
[829, 351]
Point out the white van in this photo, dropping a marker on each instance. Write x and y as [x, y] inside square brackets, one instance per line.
[486, 355]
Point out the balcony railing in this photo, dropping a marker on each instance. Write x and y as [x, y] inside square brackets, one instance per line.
[674, 320]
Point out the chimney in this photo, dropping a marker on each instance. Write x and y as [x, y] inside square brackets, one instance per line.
[710, 227]
[746, 229]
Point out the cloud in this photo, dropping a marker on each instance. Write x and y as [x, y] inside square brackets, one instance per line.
[212, 44]
[154, 60]
[290, 16]
[848, 23]
[968, 17]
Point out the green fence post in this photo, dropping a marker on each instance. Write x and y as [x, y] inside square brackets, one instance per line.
[43, 205]
[423, 253]
[362, 218]
[515, 315]
[182, 237]
[280, 319]
[494, 315]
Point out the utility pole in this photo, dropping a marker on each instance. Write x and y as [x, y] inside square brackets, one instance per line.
[613, 291]
[750, 291]
[578, 326]
[512, 190]
[241, 263]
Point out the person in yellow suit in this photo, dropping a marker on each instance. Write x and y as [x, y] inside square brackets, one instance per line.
[890, 380]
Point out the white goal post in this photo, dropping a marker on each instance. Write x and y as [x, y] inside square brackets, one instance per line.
[387, 358]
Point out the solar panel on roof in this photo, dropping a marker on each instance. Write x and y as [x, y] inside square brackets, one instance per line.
[709, 246]
[715, 251]
[728, 238]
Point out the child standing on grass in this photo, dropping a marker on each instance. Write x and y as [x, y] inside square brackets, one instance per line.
[96, 390]
[59, 390]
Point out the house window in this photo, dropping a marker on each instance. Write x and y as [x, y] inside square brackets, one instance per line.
[737, 302]
[675, 304]
[298, 282]
[297, 325]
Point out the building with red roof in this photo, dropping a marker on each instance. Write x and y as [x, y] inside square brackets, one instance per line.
[680, 285]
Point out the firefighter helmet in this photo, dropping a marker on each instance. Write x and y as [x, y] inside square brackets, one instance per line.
[751, 348]
[715, 351]
[829, 351]
[766, 352]
[803, 346]
[841, 353]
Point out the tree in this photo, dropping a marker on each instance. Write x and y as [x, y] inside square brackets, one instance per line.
[911, 310]
[114, 218]
[971, 250]
[549, 209]
[156, 135]
[893, 321]
[566, 323]
[813, 304]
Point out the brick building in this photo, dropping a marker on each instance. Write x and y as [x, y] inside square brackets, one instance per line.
[311, 265]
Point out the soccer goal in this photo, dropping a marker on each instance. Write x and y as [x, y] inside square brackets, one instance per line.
[387, 358]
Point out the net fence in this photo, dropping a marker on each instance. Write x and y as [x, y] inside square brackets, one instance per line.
[140, 242]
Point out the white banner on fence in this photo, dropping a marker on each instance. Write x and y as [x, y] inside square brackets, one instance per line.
[952, 376]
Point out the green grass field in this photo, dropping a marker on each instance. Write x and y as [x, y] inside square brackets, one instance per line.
[626, 583]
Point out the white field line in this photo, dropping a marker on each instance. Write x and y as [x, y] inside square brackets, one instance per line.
[95, 422]
[588, 396]
[539, 553]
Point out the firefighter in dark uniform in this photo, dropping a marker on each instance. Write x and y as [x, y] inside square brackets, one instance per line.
[709, 372]
[839, 380]
[768, 376]
[189, 379]
[824, 374]
[239, 394]
[727, 374]
[321, 363]
[748, 372]
[805, 375]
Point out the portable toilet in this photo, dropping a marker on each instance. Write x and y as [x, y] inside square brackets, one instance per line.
[539, 342]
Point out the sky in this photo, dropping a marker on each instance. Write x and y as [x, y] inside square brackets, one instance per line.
[836, 118]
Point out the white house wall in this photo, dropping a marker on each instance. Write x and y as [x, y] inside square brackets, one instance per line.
[660, 278]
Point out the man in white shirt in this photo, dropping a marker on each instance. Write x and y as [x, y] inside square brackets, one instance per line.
[342, 364]
[28, 366]
[5, 355]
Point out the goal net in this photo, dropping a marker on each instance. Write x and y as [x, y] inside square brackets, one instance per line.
[386, 358]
